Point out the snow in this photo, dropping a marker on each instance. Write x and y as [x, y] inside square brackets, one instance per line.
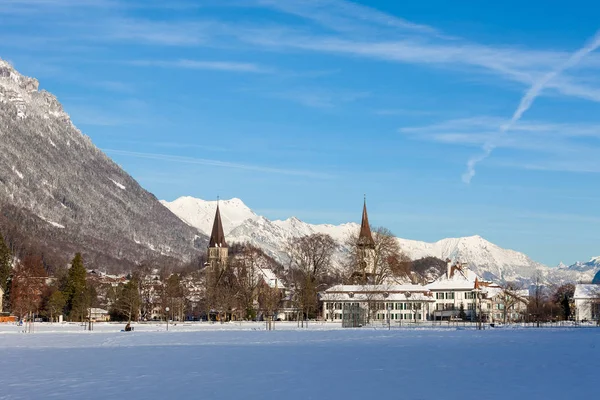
[54, 224]
[16, 171]
[462, 279]
[270, 278]
[587, 291]
[241, 224]
[117, 184]
[200, 213]
[299, 364]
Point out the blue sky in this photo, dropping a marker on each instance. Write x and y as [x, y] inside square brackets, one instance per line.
[301, 107]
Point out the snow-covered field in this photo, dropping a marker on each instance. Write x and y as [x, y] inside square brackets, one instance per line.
[232, 361]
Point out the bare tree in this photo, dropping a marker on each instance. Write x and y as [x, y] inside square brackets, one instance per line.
[246, 269]
[508, 298]
[269, 300]
[27, 286]
[388, 260]
[173, 297]
[310, 262]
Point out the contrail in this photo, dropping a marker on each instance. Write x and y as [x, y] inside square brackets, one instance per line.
[527, 101]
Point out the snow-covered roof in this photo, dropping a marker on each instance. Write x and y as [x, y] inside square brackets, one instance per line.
[460, 278]
[587, 291]
[98, 311]
[377, 288]
[270, 278]
[377, 292]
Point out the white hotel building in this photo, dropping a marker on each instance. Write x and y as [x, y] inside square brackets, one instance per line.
[457, 294]
[439, 300]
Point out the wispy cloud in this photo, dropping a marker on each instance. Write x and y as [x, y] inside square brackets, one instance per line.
[319, 98]
[568, 147]
[530, 135]
[527, 101]
[229, 66]
[347, 16]
[218, 163]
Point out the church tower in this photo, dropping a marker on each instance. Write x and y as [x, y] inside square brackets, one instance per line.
[366, 247]
[217, 247]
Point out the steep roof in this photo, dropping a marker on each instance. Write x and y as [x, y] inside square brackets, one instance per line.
[217, 237]
[461, 278]
[365, 238]
[587, 291]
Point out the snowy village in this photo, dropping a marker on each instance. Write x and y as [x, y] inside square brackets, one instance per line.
[379, 288]
[299, 199]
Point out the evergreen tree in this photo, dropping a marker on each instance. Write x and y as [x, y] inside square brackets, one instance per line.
[75, 290]
[461, 312]
[128, 303]
[55, 305]
[5, 268]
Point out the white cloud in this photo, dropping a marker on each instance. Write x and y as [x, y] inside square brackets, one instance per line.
[229, 66]
[218, 163]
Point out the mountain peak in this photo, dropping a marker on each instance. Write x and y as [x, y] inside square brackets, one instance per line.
[52, 176]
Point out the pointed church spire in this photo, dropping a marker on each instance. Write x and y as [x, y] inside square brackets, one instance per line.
[217, 237]
[365, 238]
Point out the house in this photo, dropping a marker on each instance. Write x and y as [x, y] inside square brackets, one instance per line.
[99, 315]
[587, 302]
[459, 290]
[363, 303]
[1, 298]
[507, 305]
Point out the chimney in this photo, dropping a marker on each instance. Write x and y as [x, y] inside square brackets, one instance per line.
[449, 267]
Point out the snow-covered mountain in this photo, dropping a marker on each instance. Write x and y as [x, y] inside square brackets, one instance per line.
[592, 265]
[61, 193]
[241, 224]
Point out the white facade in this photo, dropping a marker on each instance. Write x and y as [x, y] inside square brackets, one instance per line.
[458, 290]
[1, 298]
[587, 302]
[408, 303]
[459, 286]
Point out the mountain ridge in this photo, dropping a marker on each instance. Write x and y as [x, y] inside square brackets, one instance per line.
[490, 261]
[54, 181]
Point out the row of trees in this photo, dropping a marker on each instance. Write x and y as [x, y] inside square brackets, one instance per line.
[238, 291]
[29, 291]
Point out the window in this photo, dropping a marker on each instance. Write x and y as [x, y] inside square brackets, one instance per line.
[470, 306]
[407, 306]
[470, 295]
[330, 306]
[439, 296]
[449, 295]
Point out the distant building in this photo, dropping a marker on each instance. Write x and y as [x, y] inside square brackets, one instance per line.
[360, 304]
[587, 302]
[459, 286]
[218, 251]
[1, 298]
[366, 249]
[99, 315]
